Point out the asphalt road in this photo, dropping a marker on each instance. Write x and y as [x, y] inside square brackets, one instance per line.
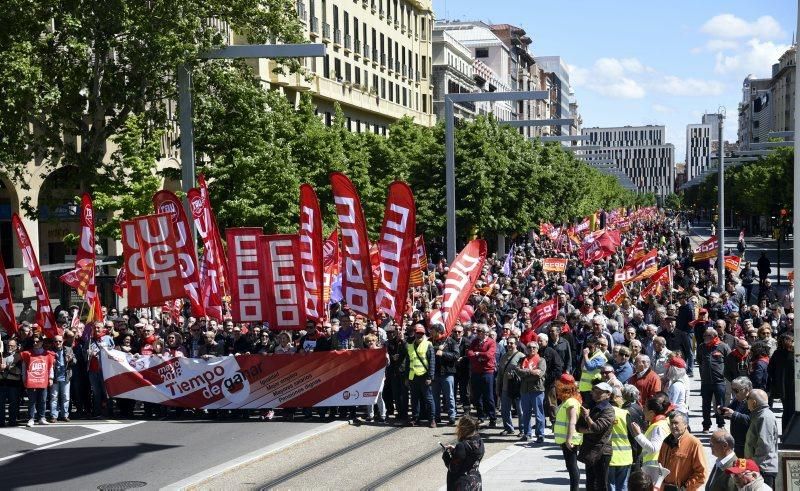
[92, 455]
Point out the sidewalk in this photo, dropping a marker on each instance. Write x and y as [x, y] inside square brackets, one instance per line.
[526, 466]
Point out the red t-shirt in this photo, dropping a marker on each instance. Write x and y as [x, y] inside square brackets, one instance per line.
[37, 369]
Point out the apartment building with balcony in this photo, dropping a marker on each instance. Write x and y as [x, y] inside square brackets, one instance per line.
[453, 73]
[377, 64]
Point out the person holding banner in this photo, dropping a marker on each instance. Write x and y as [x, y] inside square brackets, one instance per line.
[37, 367]
[100, 340]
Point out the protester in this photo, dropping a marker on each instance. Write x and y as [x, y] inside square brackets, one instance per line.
[683, 455]
[532, 370]
[564, 429]
[722, 447]
[746, 476]
[711, 355]
[508, 386]
[421, 367]
[481, 354]
[761, 442]
[595, 424]
[645, 379]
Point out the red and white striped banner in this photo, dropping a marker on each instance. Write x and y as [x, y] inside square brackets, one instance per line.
[7, 318]
[328, 378]
[459, 283]
[419, 263]
[706, 250]
[283, 281]
[44, 312]
[211, 269]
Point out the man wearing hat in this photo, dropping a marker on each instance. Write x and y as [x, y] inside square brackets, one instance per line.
[421, 367]
[746, 475]
[595, 424]
[711, 354]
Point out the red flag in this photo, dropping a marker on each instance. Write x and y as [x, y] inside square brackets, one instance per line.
[248, 285]
[7, 318]
[597, 247]
[732, 263]
[396, 246]
[662, 277]
[211, 288]
[706, 250]
[544, 312]
[617, 294]
[330, 263]
[121, 281]
[283, 281]
[311, 254]
[459, 283]
[82, 278]
[419, 263]
[44, 312]
[151, 260]
[646, 266]
[222, 273]
[167, 202]
[636, 249]
[357, 286]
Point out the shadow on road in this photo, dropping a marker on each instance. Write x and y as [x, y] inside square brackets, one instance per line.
[62, 464]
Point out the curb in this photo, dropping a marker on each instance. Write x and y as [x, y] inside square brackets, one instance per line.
[195, 480]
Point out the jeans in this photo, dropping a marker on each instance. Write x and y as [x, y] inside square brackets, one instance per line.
[597, 474]
[571, 459]
[421, 395]
[36, 403]
[717, 391]
[483, 395]
[98, 392]
[506, 404]
[9, 395]
[444, 387]
[618, 477]
[532, 402]
[59, 392]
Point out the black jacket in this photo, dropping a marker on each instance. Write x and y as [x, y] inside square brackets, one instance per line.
[677, 340]
[564, 350]
[712, 363]
[597, 436]
[446, 363]
[463, 463]
[554, 364]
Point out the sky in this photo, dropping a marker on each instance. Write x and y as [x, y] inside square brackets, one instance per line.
[635, 62]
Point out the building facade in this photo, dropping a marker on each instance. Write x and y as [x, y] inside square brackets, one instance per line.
[561, 93]
[639, 151]
[453, 73]
[698, 149]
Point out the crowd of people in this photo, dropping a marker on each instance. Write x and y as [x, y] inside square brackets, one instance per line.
[609, 381]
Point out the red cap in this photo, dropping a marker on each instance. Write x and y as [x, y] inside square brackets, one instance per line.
[566, 379]
[677, 362]
[741, 465]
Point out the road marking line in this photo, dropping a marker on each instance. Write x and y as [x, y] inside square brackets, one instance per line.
[57, 444]
[231, 465]
[27, 436]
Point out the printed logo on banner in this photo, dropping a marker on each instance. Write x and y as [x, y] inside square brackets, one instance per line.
[396, 248]
[346, 395]
[248, 299]
[284, 281]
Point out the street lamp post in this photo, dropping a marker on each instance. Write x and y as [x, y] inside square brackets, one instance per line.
[450, 148]
[185, 106]
[721, 196]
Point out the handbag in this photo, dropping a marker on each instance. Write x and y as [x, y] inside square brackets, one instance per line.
[514, 383]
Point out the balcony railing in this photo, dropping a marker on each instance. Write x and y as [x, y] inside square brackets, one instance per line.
[383, 59]
[405, 71]
[397, 66]
[326, 30]
[357, 48]
[373, 7]
[348, 42]
[389, 18]
[391, 63]
[315, 25]
[375, 55]
[301, 10]
[366, 50]
[396, 24]
[337, 36]
[417, 76]
[381, 14]
[469, 106]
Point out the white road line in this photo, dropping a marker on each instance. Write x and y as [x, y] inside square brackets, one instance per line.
[200, 477]
[27, 436]
[105, 429]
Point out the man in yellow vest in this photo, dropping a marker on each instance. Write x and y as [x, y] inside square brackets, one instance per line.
[421, 367]
[621, 449]
[592, 361]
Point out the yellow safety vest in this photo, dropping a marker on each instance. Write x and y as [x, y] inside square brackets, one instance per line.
[416, 365]
[562, 423]
[585, 384]
[622, 454]
[652, 458]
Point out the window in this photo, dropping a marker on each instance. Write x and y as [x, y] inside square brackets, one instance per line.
[424, 103]
[481, 53]
[328, 119]
[391, 91]
[383, 88]
[326, 67]
[358, 76]
[337, 69]
[347, 72]
[335, 18]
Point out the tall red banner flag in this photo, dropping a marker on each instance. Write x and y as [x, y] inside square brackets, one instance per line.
[283, 281]
[311, 253]
[357, 287]
[82, 278]
[222, 273]
[396, 248]
[459, 283]
[248, 285]
[44, 312]
[419, 262]
[211, 292]
[167, 202]
[7, 318]
[152, 264]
